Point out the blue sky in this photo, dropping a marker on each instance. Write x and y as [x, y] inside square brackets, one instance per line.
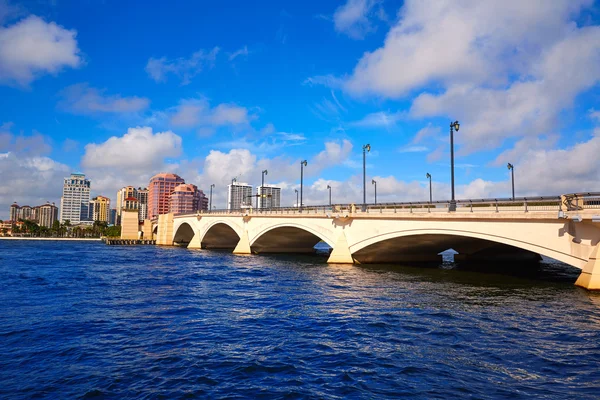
[213, 90]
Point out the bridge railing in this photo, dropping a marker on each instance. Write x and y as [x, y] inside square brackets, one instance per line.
[571, 202]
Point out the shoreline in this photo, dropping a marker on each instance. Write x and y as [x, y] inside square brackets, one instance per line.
[49, 238]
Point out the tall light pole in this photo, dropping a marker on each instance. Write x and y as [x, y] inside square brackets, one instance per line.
[430, 196]
[210, 202]
[453, 126]
[231, 193]
[262, 190]
[374, 182]
[303, 164]
[329, 187]
[296, 190]
[512, 171]
[366, 148]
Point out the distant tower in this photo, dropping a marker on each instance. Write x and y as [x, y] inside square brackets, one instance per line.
[142, 196]
[100, 209]
[269, 196]
[75, 199]
[160, 188]
[239, 196]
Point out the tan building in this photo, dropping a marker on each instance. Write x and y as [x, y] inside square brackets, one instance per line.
[186, 198]
[47, 214]
[100, 208]
[129, 219]
[122, 194]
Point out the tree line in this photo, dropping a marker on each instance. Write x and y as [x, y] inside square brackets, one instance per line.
[31, 229]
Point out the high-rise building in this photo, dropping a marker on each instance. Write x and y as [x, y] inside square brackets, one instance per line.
[239, 196]
[142, 196]
[27, 213]
[122, 194]
[269, 196]
[160, 188]
[15, 212]
[203, 201]
[186, 198]
[100, 208]
[112, 216]
[47, 214]
[74, 203]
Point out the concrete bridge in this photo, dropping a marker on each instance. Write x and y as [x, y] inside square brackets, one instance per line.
[566, 228]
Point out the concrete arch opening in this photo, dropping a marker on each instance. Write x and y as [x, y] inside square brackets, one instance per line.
[285, 239]
[427, 248]
[184, 235]
[220, 236]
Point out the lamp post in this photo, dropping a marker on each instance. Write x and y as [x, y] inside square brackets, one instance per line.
[262, 188]
[302, 165]
[374, 182]
[512, 172]
[329, 187]
[453, 126]
[296, 190]
[210, 202]
[366, 148]
[231, 193]
[430, 196]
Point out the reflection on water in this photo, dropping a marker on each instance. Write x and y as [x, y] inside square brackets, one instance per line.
[84, 319]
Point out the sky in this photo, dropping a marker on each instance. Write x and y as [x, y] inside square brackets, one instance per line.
[121, 91]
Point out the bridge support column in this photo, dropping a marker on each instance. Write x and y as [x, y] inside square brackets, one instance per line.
[195, 242]
[341, 252]
[243, 246]
[590, 275]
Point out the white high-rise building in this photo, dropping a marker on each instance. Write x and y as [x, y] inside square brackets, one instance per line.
[269, 196]
[142, 196]
[239, 196]
[75, 199]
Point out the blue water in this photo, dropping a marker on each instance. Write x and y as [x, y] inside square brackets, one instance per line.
[85, 320]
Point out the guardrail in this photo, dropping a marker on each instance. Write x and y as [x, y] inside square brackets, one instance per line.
[569, 202]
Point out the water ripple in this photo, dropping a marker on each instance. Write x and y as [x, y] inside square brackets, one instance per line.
[84, 320]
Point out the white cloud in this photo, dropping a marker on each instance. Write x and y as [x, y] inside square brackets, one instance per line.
[197, 112]
[39, 178]
[334, 153]
[498, 82]
[452, 43]
[184, 68]
[381, 119]
[427, 132]
[83, 99]
[241, 52]
[32, 47]
[138, 149]
[352, 18]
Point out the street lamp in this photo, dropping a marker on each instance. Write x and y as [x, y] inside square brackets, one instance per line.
[374, 182]
[453, 127]
[302, 165]
[296, 190]
[231, 193]
[262, 204]
[210, 202]
[366, 148]
[329, 187]
[512, 171]
[430, 196]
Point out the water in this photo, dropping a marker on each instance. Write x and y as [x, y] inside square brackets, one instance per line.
[85, 320]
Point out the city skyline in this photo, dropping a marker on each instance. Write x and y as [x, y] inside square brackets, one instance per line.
[200, 102]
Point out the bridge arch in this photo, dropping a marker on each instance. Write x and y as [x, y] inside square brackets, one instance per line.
[220, 234]
[288, 238]
[435, 240]
[183, 235]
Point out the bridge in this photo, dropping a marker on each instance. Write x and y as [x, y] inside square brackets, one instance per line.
[565, 228]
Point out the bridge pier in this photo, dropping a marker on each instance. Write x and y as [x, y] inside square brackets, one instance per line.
[243, 246]
[195, 242]
[341, 252]
[590, 275]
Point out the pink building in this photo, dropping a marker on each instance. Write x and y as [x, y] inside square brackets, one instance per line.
[186, 199]
[160, 188]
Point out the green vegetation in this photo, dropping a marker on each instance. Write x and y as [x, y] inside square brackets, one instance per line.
[31, 229]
